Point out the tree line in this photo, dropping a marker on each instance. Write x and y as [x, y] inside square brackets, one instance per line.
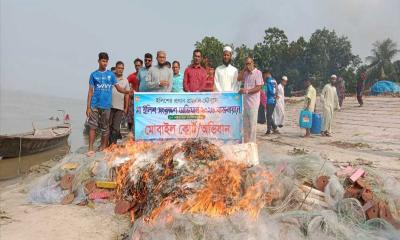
[324, 54]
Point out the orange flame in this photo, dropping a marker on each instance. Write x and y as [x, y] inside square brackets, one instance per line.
[223, 187]
[223, 193]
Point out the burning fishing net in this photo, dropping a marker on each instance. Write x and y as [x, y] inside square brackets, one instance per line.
[195, 178]
[198, 189]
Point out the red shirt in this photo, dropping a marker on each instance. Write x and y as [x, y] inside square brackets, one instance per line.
[132, 79]
[194, 79]
[209, 86]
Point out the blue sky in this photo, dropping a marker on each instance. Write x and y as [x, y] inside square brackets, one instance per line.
[50, 47]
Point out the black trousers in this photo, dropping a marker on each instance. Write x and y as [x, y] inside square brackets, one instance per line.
[270, 122]
[115, 125]
[261, 115]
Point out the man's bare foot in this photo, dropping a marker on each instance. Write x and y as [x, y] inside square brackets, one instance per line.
[328, 135]
[306, 136]
[90, 153]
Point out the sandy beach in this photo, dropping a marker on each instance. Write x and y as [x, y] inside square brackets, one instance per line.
[368, 135]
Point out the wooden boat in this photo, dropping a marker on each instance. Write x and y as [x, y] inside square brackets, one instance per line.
[35, 141]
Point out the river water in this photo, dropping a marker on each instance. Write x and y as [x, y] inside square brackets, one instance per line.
[19, 110]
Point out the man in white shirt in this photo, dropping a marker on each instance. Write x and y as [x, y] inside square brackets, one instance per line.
[119, 103]
[330, 103]
[226, 75]
[279, 112]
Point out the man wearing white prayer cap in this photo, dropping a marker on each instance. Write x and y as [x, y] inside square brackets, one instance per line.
[330, 103]
[228, 49]
[279, 112]
[226, 74]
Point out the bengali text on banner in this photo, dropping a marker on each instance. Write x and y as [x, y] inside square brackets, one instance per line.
[166, 116]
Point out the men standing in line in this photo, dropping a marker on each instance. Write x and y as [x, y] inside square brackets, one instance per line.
[177, 79]
[195, 75]
[159, 77]
[142, 74]
[119, 103]
[99, 99]
[330, 103]
[253, 81]
[309, 100]
[226, 74]
[271, 101]
[360, 88]
[279, 112]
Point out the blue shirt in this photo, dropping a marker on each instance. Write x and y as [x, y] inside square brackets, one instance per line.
[141, 77]
[102, 83]
[270, 90]
[177, 83]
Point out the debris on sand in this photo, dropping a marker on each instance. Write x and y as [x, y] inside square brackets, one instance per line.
[347, 145]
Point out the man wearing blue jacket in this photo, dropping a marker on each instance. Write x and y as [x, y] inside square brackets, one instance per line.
[270, 91]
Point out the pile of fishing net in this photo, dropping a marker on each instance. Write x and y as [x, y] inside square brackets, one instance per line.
[198, 189]
[193, 176]
[71, 181]
[299, 209]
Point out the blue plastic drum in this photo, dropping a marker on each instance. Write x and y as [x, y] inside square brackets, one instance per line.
[316, 123]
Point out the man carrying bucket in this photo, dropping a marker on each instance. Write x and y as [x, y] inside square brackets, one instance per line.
[309, 100]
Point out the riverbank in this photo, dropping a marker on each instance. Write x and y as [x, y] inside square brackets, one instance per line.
[369, 135]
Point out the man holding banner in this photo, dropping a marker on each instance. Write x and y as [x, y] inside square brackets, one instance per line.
[253, 81]
[159, 77]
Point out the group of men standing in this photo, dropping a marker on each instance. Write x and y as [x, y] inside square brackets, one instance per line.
[106, 104]
[332, 97]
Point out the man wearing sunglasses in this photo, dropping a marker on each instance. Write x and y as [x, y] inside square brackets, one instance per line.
[142, 74]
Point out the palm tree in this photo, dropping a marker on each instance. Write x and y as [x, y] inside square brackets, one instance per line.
[382, 55]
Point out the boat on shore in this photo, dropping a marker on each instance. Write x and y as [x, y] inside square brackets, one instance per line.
[38, 140]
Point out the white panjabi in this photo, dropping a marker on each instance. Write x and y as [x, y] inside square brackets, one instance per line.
[330, 103]
[225, 79]
[279, 112]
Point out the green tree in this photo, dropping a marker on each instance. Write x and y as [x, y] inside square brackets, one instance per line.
[272, 51]
[381, 59]
[324, 54]
[212, 48]
[295, 67]
[240, 55]
[328, 54]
